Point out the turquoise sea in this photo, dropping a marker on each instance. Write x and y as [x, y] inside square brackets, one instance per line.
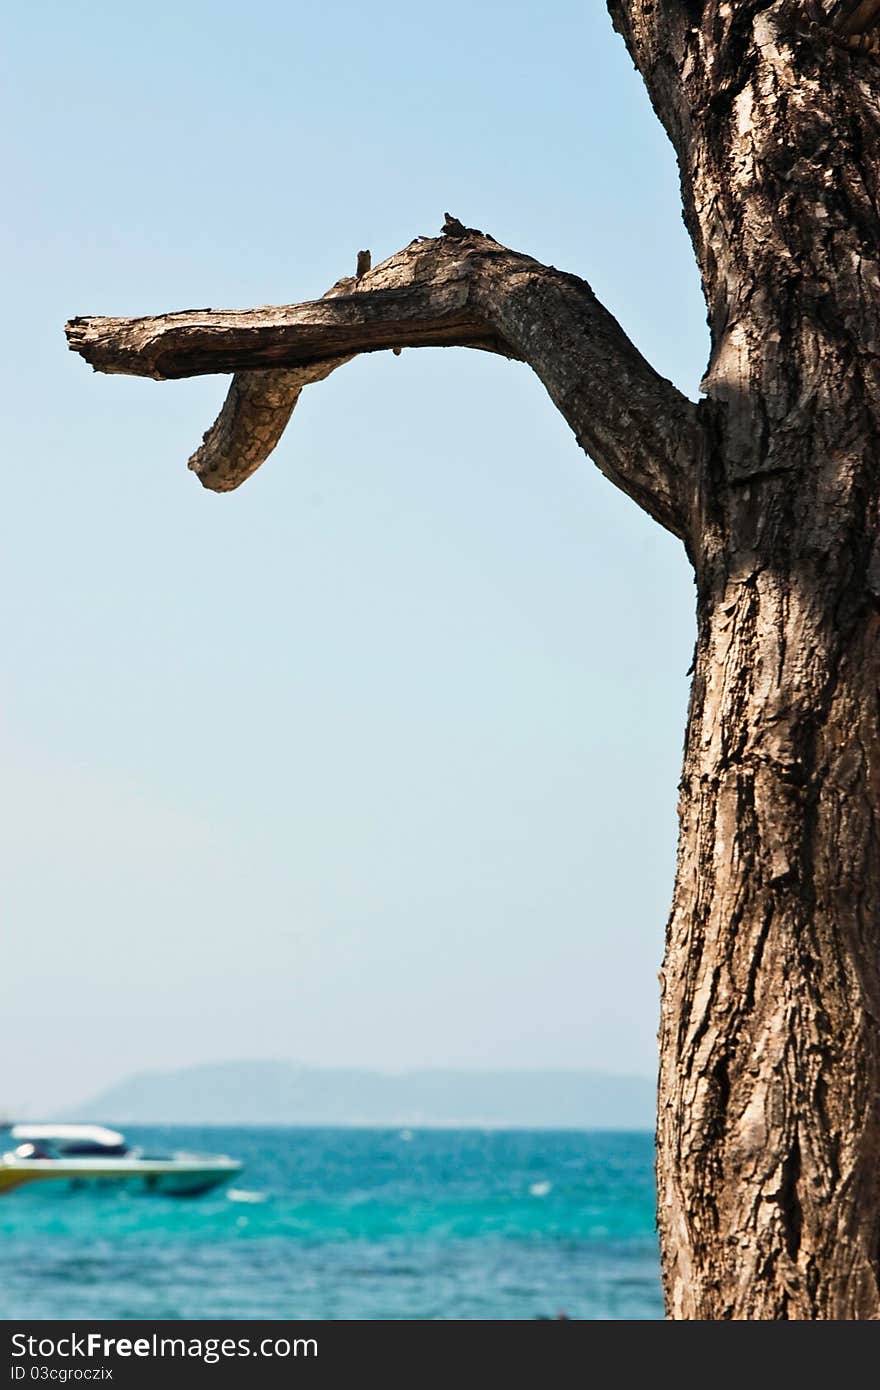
[351, 1223]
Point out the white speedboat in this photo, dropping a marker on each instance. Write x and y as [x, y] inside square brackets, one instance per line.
[81, 1154]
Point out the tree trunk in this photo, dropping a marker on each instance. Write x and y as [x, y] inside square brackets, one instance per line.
[769, 1117]
[768, 1140]
[768, 1154]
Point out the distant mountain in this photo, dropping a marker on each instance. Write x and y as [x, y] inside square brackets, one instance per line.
[286, 1093]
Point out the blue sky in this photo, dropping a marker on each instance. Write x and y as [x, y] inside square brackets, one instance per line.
[375, 760]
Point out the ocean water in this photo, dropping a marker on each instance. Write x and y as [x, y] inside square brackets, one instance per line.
[350, 1223]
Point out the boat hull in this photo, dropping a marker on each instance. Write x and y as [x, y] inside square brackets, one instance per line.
[171, 1177]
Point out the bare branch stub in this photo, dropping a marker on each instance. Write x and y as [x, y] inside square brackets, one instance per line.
[256, 412]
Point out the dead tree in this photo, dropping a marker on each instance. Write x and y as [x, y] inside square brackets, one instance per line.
[768, 1141]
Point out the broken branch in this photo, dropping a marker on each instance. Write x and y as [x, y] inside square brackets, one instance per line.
[461, 289]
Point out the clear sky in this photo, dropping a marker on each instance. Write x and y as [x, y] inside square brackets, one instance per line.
[374, 761]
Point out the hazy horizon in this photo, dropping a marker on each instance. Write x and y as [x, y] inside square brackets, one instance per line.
[80, 1103]
[377, 757]
[258, 1092]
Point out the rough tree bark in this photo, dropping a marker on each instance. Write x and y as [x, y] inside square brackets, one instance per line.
[768, 1147]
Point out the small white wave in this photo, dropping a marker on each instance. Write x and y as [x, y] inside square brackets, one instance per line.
[241, 1194]
[541, 1189]
[406, 1135]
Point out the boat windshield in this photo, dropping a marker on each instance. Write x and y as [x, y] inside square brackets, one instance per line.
[89, 1148]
